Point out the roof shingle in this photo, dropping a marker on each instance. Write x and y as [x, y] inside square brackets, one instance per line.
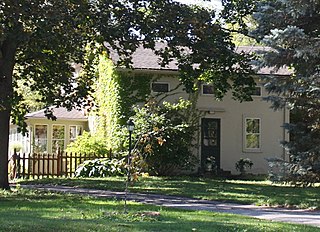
[60, 113]
[145, 58]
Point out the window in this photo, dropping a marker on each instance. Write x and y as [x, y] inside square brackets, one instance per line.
[252, 133]
[58, 137]
[256, 91]
[160, 87]
[74, 132]
[207, 89]
[40, 138]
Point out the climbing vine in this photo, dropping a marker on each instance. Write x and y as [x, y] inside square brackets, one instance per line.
[115, 92]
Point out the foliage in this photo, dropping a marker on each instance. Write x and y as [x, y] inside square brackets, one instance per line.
[295, 44]
[31, 99]
[282, 171]
[243, 165]
[88, 144]
[114, 95]
[41, 41]
[101, 168]
[291, 31]
[106, 99]
[165, 136]
[211, 165]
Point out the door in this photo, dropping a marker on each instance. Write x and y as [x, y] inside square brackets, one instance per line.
[210, 142]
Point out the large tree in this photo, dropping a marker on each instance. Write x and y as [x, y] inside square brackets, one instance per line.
[41, 40]
[291, 29]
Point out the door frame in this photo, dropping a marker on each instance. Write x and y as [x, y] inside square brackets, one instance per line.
[205, 150]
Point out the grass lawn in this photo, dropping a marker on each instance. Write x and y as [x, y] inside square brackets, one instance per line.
[240, 191]
[26, 210]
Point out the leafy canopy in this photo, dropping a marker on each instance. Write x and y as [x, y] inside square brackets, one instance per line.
[41, 40]
[291, 30]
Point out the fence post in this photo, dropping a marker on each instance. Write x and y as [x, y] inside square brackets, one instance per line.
[66, 164]
[58, 162]
[48, 165]
[24, 166]
[18, 165]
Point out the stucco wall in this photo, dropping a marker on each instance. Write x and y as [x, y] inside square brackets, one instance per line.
[232, 114]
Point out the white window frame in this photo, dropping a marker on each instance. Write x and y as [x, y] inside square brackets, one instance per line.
[202, 88]
[246, 133]
[158, 82]
[77, 134]
[35, 137]
[53, 139]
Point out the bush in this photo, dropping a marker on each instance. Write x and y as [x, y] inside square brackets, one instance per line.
[166, 137]
[101, 168]
[243, 165]
[289, 172]
[88, 144]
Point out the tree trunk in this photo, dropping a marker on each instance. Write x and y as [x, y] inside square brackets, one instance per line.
[4, 142]
[7, 61]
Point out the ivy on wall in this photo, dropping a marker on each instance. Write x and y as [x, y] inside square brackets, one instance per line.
[115, 93]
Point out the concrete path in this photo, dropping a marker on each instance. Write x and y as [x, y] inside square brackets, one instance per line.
[275, 214]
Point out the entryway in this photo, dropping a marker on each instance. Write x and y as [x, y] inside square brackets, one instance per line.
[210, 143]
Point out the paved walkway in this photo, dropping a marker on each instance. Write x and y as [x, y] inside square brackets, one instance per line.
[275, 214]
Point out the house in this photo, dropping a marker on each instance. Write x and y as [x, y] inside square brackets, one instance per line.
[228, 131]
[47, 136]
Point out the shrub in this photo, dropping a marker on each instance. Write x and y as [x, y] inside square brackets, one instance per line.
[288, 172]
[166, 136]
[243, 165]
[102, 167]
[88, 144]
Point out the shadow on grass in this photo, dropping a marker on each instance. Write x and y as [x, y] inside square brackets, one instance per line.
[238, 191]
[33, 211]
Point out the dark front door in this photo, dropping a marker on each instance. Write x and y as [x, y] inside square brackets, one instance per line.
[210, 142]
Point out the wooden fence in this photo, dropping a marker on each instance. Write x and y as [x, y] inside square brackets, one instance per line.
[61, 164]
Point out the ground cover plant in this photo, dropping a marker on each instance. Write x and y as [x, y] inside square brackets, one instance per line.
[26, 210]
[240, 191]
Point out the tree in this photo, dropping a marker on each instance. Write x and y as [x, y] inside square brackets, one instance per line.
[291, 30]
[41, 40]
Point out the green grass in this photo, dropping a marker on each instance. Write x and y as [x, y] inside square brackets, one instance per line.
[26, 210]
[239, 191]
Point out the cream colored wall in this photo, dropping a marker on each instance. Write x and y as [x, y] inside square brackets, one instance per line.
[67, 123]
[232, 115]
[232, 131]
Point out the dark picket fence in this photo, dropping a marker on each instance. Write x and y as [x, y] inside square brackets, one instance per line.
[35, 166]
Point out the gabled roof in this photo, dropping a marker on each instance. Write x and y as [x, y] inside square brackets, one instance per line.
[61, 113]
[145, 58]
